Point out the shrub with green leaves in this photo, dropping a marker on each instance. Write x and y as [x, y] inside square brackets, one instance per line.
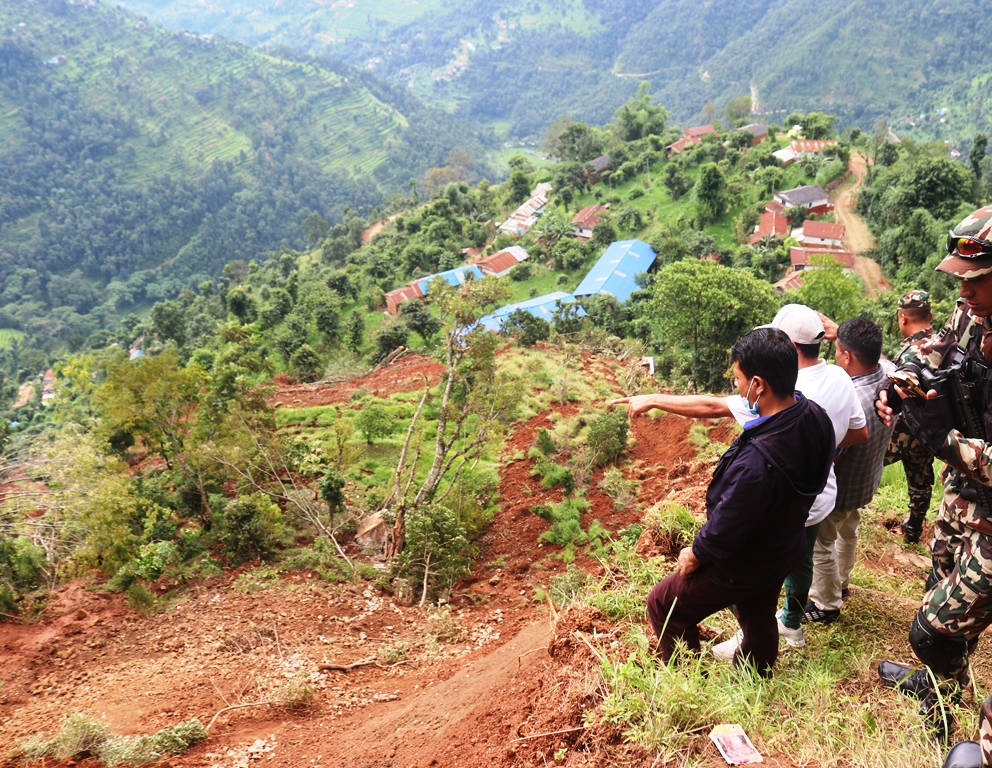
[671, 526]
[437, 552]
[553, 475]
[153, 559]
[374, 422]
[622, 491]
[331, 489]
[307, 364]
[82, 736]
[142, 599]
[251, 526]
[22, 569]
[564, 517]
[608, 436]
[543, 442]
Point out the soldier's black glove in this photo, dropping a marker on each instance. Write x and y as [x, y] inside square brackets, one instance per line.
[892, 398]
[929, 421]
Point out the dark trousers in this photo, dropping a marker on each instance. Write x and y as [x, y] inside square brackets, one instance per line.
[677, 605]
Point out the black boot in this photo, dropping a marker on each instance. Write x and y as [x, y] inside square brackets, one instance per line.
[906, 680]
[937, 715]
[912, 529]
[966, 754]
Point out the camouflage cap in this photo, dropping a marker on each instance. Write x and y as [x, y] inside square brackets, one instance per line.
[977, 225]
[916, 299]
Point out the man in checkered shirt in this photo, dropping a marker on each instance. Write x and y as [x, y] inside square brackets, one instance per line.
[859, 471]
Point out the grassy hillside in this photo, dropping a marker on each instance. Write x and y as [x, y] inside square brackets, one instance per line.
[528, 65]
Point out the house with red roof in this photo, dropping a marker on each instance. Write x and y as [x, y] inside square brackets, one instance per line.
[819, 234]
[525, 217]
[698, 132]
[585, 220]
[812, 197]
[812, 146]
[676, 147]
[773, 224]
[790, 282]
[408, 292]
[502, 262]
[800, 257]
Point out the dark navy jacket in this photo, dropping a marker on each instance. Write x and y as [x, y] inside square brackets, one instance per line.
[761, 492]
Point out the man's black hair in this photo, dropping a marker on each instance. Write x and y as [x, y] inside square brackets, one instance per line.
[809, 351]
[770, 354]
[918, 314]
[863, 339]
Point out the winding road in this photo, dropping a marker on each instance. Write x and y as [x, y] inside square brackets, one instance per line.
[857, 238]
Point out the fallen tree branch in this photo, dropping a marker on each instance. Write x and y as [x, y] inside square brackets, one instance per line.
[528, 653]
[549, 733]
[267, 702]
[346, 667]
[219, 693]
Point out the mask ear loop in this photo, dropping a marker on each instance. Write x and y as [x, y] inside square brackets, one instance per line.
[753, 409]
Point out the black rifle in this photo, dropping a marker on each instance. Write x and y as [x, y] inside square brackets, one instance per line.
[961, 399]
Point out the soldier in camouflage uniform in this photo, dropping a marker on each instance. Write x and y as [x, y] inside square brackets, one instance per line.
[917, 460]
[971, 754]
[958, 603]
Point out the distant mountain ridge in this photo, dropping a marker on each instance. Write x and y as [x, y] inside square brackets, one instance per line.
[124, 147]
[527, 64]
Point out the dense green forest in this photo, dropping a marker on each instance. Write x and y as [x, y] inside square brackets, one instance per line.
[137, 162]
[522, 66]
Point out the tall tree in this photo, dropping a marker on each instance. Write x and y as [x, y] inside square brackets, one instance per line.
[639, 117]
[977, 154]
[700, 309]
[711, 193]
[829, 290]
[473, 401]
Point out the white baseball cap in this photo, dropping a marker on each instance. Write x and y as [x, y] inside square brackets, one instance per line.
[799, 322]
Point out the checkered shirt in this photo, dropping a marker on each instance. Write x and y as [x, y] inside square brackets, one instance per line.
[859, 470]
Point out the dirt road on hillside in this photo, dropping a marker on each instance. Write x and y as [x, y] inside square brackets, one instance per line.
[857, 238]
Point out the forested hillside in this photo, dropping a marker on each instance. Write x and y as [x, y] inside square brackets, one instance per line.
[523, 66]
[137, 161]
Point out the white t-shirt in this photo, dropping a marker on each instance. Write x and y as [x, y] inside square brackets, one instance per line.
[831, 388]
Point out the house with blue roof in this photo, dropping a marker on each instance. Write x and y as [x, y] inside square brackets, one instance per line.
[540, 306]
[457, 276]
[614, 273]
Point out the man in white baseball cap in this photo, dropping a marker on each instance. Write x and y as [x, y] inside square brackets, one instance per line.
[826, 385]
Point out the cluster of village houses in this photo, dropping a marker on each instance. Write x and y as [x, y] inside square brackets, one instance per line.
[614, 272]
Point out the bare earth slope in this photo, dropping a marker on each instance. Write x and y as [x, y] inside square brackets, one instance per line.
[486, 681]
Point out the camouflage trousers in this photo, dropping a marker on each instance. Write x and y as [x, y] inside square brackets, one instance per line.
[985, 730]
[960, 604]
[917, 462]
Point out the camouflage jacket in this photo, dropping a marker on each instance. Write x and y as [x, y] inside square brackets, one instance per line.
[907, 350]
[967, 458]
[904, 443]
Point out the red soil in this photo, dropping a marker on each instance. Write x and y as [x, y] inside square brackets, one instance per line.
[469, 700]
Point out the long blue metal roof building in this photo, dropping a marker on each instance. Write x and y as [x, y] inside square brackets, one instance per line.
[615, 270]
[540, 306]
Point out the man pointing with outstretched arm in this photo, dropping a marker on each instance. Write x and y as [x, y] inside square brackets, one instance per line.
[824, 384]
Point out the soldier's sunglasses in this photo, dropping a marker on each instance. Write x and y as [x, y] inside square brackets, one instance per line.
[968, 247]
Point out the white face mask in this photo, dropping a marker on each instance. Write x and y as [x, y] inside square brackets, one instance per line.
[752, 409]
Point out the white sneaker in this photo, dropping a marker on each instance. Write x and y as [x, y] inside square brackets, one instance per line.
[794, 637]
[726, 650]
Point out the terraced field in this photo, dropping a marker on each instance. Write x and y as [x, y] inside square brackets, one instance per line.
[8, 336]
